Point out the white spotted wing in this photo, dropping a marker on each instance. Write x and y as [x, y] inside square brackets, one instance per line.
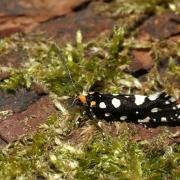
[156, 108]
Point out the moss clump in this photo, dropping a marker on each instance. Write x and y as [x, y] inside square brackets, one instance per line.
[13, 82]
[111, 159]
[162, 164]
[48, 153]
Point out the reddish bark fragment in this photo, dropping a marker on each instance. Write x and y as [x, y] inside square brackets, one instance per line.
[39, 89]
[18, 101]
[24, 16]
[4, 75]
[2, 142]
[162, 26]
[153, 133]
[141, 60]
[64, 28]
[27, 121]
[15, 58]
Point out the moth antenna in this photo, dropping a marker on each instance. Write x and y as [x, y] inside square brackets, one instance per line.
[74, 101]
[66, 67]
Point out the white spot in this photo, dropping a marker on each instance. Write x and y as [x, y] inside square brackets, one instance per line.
[172, 99]
[171, 118]
[166, 95]
[115, 94]
[167, 102]
[94, 116]
[174, 108]
[123, 118]
[154, 110]
[144, 120]
[91, 93]
[154, 119]
[100, 124]
[107, 114]
[116, 102]
[164, 119]
[178, 106]
[139, 99]
[153, 96]
[179, 117]
[137, 112]
[102, 105]
[127, 96]
[176, 115]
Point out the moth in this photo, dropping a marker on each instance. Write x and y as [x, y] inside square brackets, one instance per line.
[158, 108]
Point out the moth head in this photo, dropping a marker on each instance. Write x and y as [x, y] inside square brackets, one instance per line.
[82, 99]
[87, 99]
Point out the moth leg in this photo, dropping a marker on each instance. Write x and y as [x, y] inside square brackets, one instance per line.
[92, 114]
[98, 124]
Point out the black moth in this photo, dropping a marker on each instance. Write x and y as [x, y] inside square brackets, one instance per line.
[158, 108]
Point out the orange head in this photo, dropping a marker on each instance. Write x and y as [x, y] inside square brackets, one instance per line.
[82, 99]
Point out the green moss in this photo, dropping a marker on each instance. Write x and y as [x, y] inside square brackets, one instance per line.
[6, 45]
[47, 153]
[111, 159]
[173, 68]
[16, 80]
[128, 7]
[163, 165]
